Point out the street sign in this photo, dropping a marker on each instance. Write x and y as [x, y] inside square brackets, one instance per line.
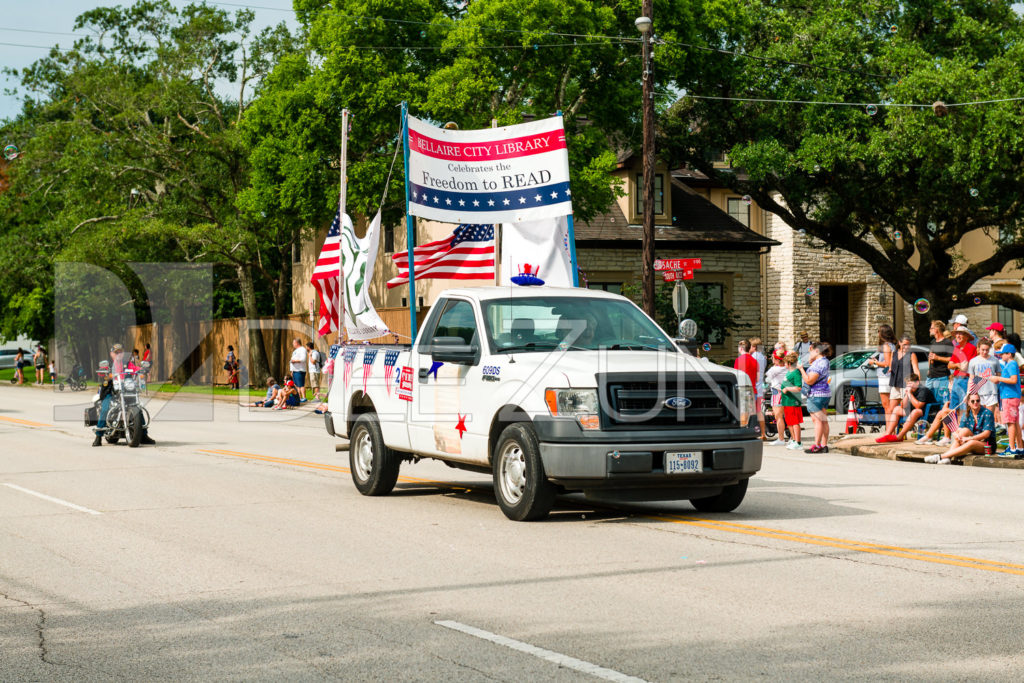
[677, 264]
[674, 275]
[680, 299]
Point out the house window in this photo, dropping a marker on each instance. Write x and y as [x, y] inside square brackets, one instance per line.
[659, 194]
[613, 287]
[739, 210]
[1005, 316]
[389, 239]
[714, 291]
[296, 254]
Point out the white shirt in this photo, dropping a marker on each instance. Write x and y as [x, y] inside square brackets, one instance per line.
[314, 356]
[299, 359]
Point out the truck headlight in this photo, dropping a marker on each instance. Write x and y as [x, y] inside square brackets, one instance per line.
[745, 400]
[581, 404]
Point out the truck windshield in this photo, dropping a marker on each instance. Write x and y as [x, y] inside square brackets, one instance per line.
[543, 323]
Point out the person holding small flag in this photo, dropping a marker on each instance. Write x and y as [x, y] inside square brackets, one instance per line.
[976, 434]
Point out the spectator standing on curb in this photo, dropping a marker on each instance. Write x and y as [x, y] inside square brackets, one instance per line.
[757, 351]
[229, 365]
[316, 361]
[940, 352]
[981, 369]
[53, 372]
[773, 384]
[298, 368]
[748, 364]
[916, 398]
[19, 365]
[792, 411]
[816, 378]
[1009, 399]
[39, 361]
[147, 355]
[803, 348]
[904, 365]
[963, 352]
[882, 362]
[977, 431]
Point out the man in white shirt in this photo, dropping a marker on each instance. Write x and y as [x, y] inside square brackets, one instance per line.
[298, 367]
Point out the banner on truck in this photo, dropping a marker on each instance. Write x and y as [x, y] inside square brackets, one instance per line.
[492, 175]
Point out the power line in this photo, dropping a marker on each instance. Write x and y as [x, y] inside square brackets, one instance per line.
[912, 105]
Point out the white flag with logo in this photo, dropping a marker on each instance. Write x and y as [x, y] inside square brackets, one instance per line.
[357, 259]
[543, 245]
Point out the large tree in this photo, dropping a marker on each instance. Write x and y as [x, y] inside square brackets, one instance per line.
[876, 174]
[131, 151]
[450, 61]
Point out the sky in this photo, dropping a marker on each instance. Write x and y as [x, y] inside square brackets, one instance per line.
[28, 28]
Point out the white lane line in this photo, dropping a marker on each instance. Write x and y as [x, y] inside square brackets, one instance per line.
[58, 501]
[554, 657]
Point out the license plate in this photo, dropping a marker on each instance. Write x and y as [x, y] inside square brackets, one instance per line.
[684, 462]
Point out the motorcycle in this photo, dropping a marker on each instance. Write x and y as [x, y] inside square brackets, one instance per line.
[126, 417]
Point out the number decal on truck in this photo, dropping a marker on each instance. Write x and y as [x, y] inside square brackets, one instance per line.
[492, 373]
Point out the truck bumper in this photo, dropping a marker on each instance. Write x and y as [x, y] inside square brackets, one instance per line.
[615, 465]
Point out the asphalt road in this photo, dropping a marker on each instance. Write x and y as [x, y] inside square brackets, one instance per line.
[239, 549]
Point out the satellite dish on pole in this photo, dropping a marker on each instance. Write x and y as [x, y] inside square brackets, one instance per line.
[680, 299]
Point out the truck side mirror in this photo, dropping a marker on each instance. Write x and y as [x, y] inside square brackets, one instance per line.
[454, 350]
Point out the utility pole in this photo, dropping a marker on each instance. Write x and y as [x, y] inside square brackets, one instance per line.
[643, 24]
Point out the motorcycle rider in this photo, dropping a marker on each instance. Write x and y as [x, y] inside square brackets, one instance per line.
[107, 391]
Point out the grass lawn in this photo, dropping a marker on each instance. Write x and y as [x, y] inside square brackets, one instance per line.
[168, 388]
[30, 375]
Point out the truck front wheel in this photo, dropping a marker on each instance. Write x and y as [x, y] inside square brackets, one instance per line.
[726, 501]
[374, 465]
[520, 485]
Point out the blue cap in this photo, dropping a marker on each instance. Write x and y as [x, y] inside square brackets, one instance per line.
[1007, 348]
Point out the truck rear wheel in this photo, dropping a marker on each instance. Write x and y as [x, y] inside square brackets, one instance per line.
[726, 501]
[374, 465]
[520, 485]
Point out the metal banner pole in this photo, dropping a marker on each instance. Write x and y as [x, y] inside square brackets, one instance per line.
[410, 227]
[341, 218]
[572, 233]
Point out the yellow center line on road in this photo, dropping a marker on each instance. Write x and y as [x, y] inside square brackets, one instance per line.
[24, 423]
[716, 525]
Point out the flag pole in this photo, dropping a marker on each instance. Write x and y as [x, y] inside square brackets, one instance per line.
[410, 227]
[572, 233]
[497, 236]
[341, 218]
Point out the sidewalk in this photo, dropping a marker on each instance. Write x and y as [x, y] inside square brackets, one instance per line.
[865, 446]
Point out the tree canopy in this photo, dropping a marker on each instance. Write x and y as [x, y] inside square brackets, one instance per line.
[879, 172]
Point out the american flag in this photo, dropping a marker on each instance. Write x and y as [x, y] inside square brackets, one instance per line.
[369, 355]
[467, 254]
[327, 278]
[975, 385]
[389, 368]
[950, 421]
[348, 356]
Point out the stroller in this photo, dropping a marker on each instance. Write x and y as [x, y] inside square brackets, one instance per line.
[771, 428]
[76, 379]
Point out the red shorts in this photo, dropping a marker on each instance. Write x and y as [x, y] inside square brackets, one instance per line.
[792, 415]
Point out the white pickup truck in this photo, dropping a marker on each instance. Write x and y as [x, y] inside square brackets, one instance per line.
[550, 390]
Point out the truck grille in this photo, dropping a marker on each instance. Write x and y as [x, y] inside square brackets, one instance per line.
[631, 401]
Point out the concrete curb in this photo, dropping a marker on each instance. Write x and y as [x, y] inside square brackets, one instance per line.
[866, 447]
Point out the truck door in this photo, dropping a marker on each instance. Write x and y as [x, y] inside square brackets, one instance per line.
[440, 414]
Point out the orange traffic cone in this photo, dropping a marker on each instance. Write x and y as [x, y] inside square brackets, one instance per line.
[852, 421]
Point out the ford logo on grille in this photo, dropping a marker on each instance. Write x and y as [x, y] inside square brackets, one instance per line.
[677, 403]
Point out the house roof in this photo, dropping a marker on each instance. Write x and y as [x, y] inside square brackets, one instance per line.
[697, 222]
